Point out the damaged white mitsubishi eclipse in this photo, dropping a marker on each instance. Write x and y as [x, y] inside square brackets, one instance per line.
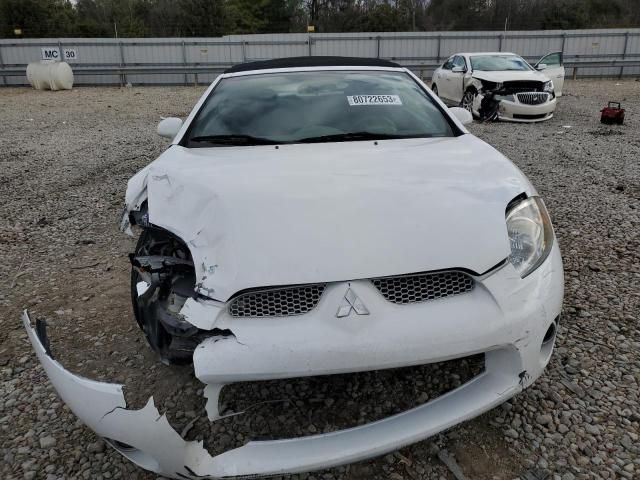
[317, 216]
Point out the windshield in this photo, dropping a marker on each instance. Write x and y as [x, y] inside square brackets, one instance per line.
[496, 63]
[316, 106]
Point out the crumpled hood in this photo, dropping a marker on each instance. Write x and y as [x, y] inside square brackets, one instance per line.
[507, 76]
[265, 216]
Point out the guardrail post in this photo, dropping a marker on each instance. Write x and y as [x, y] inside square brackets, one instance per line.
[309, 42]
[244, 50]
[500, 38]
[624, 53]
[439, 44]
[378, 46]
[4, 77]
[564, 42]
[184, 60]
[123, 76]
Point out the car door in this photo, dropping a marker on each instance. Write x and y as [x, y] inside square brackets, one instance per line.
[441, 79]
[554, 70]
[456, 79]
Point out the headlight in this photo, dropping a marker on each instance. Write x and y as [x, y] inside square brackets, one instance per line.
[530, 234]
[548, 86]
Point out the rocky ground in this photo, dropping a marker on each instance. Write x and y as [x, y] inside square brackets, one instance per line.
[64, 161]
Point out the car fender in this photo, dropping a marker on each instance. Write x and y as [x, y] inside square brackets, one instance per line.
[471, 81]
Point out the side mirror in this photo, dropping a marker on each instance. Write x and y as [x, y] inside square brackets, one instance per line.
[541, 66]
[462, 114]
[169, 127]
[458, 70]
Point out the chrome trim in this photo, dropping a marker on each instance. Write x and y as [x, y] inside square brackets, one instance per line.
[533, 98]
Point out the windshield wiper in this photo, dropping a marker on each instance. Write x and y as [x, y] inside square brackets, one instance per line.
[240, 139]
[355, 136]
[233, 139]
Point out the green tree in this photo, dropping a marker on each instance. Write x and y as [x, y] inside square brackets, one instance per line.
[162, 18]
[245, 16]
[37, 18]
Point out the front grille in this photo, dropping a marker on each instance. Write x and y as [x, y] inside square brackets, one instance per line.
[533, 98]
[516, 86]
[421, 287]
[277, 302]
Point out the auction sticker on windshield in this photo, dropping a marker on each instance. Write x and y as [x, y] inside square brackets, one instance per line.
[355, 100]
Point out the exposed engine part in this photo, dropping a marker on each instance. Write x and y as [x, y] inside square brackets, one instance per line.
[162, 279]
[140, 217]
[489, 107]
[489, 104]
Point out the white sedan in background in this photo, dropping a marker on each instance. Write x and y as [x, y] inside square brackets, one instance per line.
[320, 216]
[499, 85]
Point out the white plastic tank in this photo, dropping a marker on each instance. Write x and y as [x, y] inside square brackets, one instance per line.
[50, 76]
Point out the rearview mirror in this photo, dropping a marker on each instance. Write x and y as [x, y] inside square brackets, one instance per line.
[458, 69]
[541, 66]
[169, 127]
[462, 114]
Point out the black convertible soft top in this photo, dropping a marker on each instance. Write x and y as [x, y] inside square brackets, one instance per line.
[320, 61]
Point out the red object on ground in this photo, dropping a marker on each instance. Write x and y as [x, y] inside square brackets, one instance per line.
[613, 113]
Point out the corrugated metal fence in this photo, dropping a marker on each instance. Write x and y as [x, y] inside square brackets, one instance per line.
[100, 61]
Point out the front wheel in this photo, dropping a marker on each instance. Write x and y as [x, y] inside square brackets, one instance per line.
[467, 100]
[434, 89]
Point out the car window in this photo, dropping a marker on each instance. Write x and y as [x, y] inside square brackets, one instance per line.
[313, 106]
[553, 60]
[458, 61]
[448, 65]
[495, 63]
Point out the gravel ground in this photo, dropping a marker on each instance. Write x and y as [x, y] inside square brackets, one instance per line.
[65, 158]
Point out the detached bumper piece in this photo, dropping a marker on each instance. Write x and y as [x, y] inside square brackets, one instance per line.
[146, 438]
[143, 436]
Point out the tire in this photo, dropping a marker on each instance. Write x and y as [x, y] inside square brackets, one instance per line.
[467, 101]
[434, 89]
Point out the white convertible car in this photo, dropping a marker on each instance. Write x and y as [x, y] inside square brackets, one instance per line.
[499, 85]
[317, 216]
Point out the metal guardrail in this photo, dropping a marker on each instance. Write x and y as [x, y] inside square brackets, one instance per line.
[179, 53]
[217, 68]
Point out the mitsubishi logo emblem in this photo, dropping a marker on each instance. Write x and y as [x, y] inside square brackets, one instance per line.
[350, 303]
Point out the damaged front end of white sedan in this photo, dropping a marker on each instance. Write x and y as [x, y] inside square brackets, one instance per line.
[323, 216]
[501, 86]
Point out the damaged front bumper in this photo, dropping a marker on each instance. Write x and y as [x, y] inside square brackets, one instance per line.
[145, 437]
[512, 110]
[510, 325]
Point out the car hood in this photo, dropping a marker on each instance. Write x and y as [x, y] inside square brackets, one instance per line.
[508, 76]
[304, 213]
